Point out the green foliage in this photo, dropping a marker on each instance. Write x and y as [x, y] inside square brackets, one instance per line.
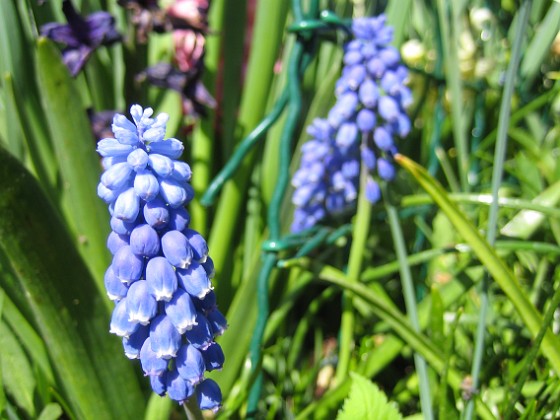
[367, 401]
[358, 305]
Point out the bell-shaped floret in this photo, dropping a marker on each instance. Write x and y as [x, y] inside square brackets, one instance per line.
[137, 159]
[217, 321]
[390, 55]
[177, 388]
[368, 157]
[151, 363]
[156, 213]
[198, 245]
[171, 148]
[164, 337]
[175, 193]
[106, 194]
[376, 67]
[181, 171]
[141, 305]
[385, 169]
[145, 241]
[373, 192]
[190, 364]
[127, 206]
[181, 311]
[382, 138]
[115, 288]
[133, 343]
[112, 147]
[177, 249]
[121, 227]
[120, 325]
[207, 303]
[162, 165]
[213, 357]
[159, 383]
[179, 219]
[117, 176]
[161, 278]
[146, 185]
[209, 268]
[194, 280]
[124, 130]
[365, 120]
[127, 266]
[347, 135]
[200, 335]
[355, 75]
[116, 241]
[389, 108]
[209, 395]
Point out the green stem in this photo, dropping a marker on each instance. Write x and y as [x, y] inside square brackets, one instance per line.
[359, 238]
[192, 410]
[497, 173]
[410, 303]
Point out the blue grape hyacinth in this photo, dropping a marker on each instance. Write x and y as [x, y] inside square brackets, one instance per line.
[160, 276]
[360, 129]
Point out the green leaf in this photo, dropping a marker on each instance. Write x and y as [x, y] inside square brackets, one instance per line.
[79, 164]
[51, 284]
[367, 401]
[52, 411]
[526, 222]
[500, 272]
[17, 374]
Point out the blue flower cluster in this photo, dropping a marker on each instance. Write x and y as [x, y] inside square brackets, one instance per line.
[165, 309]
[359, 131]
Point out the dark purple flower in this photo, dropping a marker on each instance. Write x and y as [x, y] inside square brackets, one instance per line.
[82, 36]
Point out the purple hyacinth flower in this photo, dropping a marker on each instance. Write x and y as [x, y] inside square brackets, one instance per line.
[181, 311]
[114, 287]
[121, 227]
[156, 213]
[194, 279]
[177, 249]
[127, 206]
[82, 36]
[365, 120]
[117, 177]
[373, 192]
[385, 169]
[177, 388]
[127, 266]
[137, 159]
[388, 108]
[175, 193]
[171, 148]
[208, 303]
[200, 335]
[217, 321]
[120, 324]
[164, 337]
[190, 364]
[144, 241]
[382, 138]
[161, 278]
[141, 305]
[159, 383]
[151, 363]
[116, 241]
[179, 219]
[209, 395]
[198, 245]
[162, 165]
[146, 185]
[133, 343]
[213, 357]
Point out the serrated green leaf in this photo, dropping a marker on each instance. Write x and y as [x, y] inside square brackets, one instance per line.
[52, 285]
[367, 401]
[75, 152]
[526, 222]
[52, 411]
[17, 374]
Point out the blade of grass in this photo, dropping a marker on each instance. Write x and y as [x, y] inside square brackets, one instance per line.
[487, 255]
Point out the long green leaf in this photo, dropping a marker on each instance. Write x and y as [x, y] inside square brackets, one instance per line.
[487, 255]
[75, 151]
[51, 283]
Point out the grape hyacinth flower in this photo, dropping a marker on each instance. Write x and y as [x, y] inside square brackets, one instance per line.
[82, 36]
[160, 276]
[359, 131]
